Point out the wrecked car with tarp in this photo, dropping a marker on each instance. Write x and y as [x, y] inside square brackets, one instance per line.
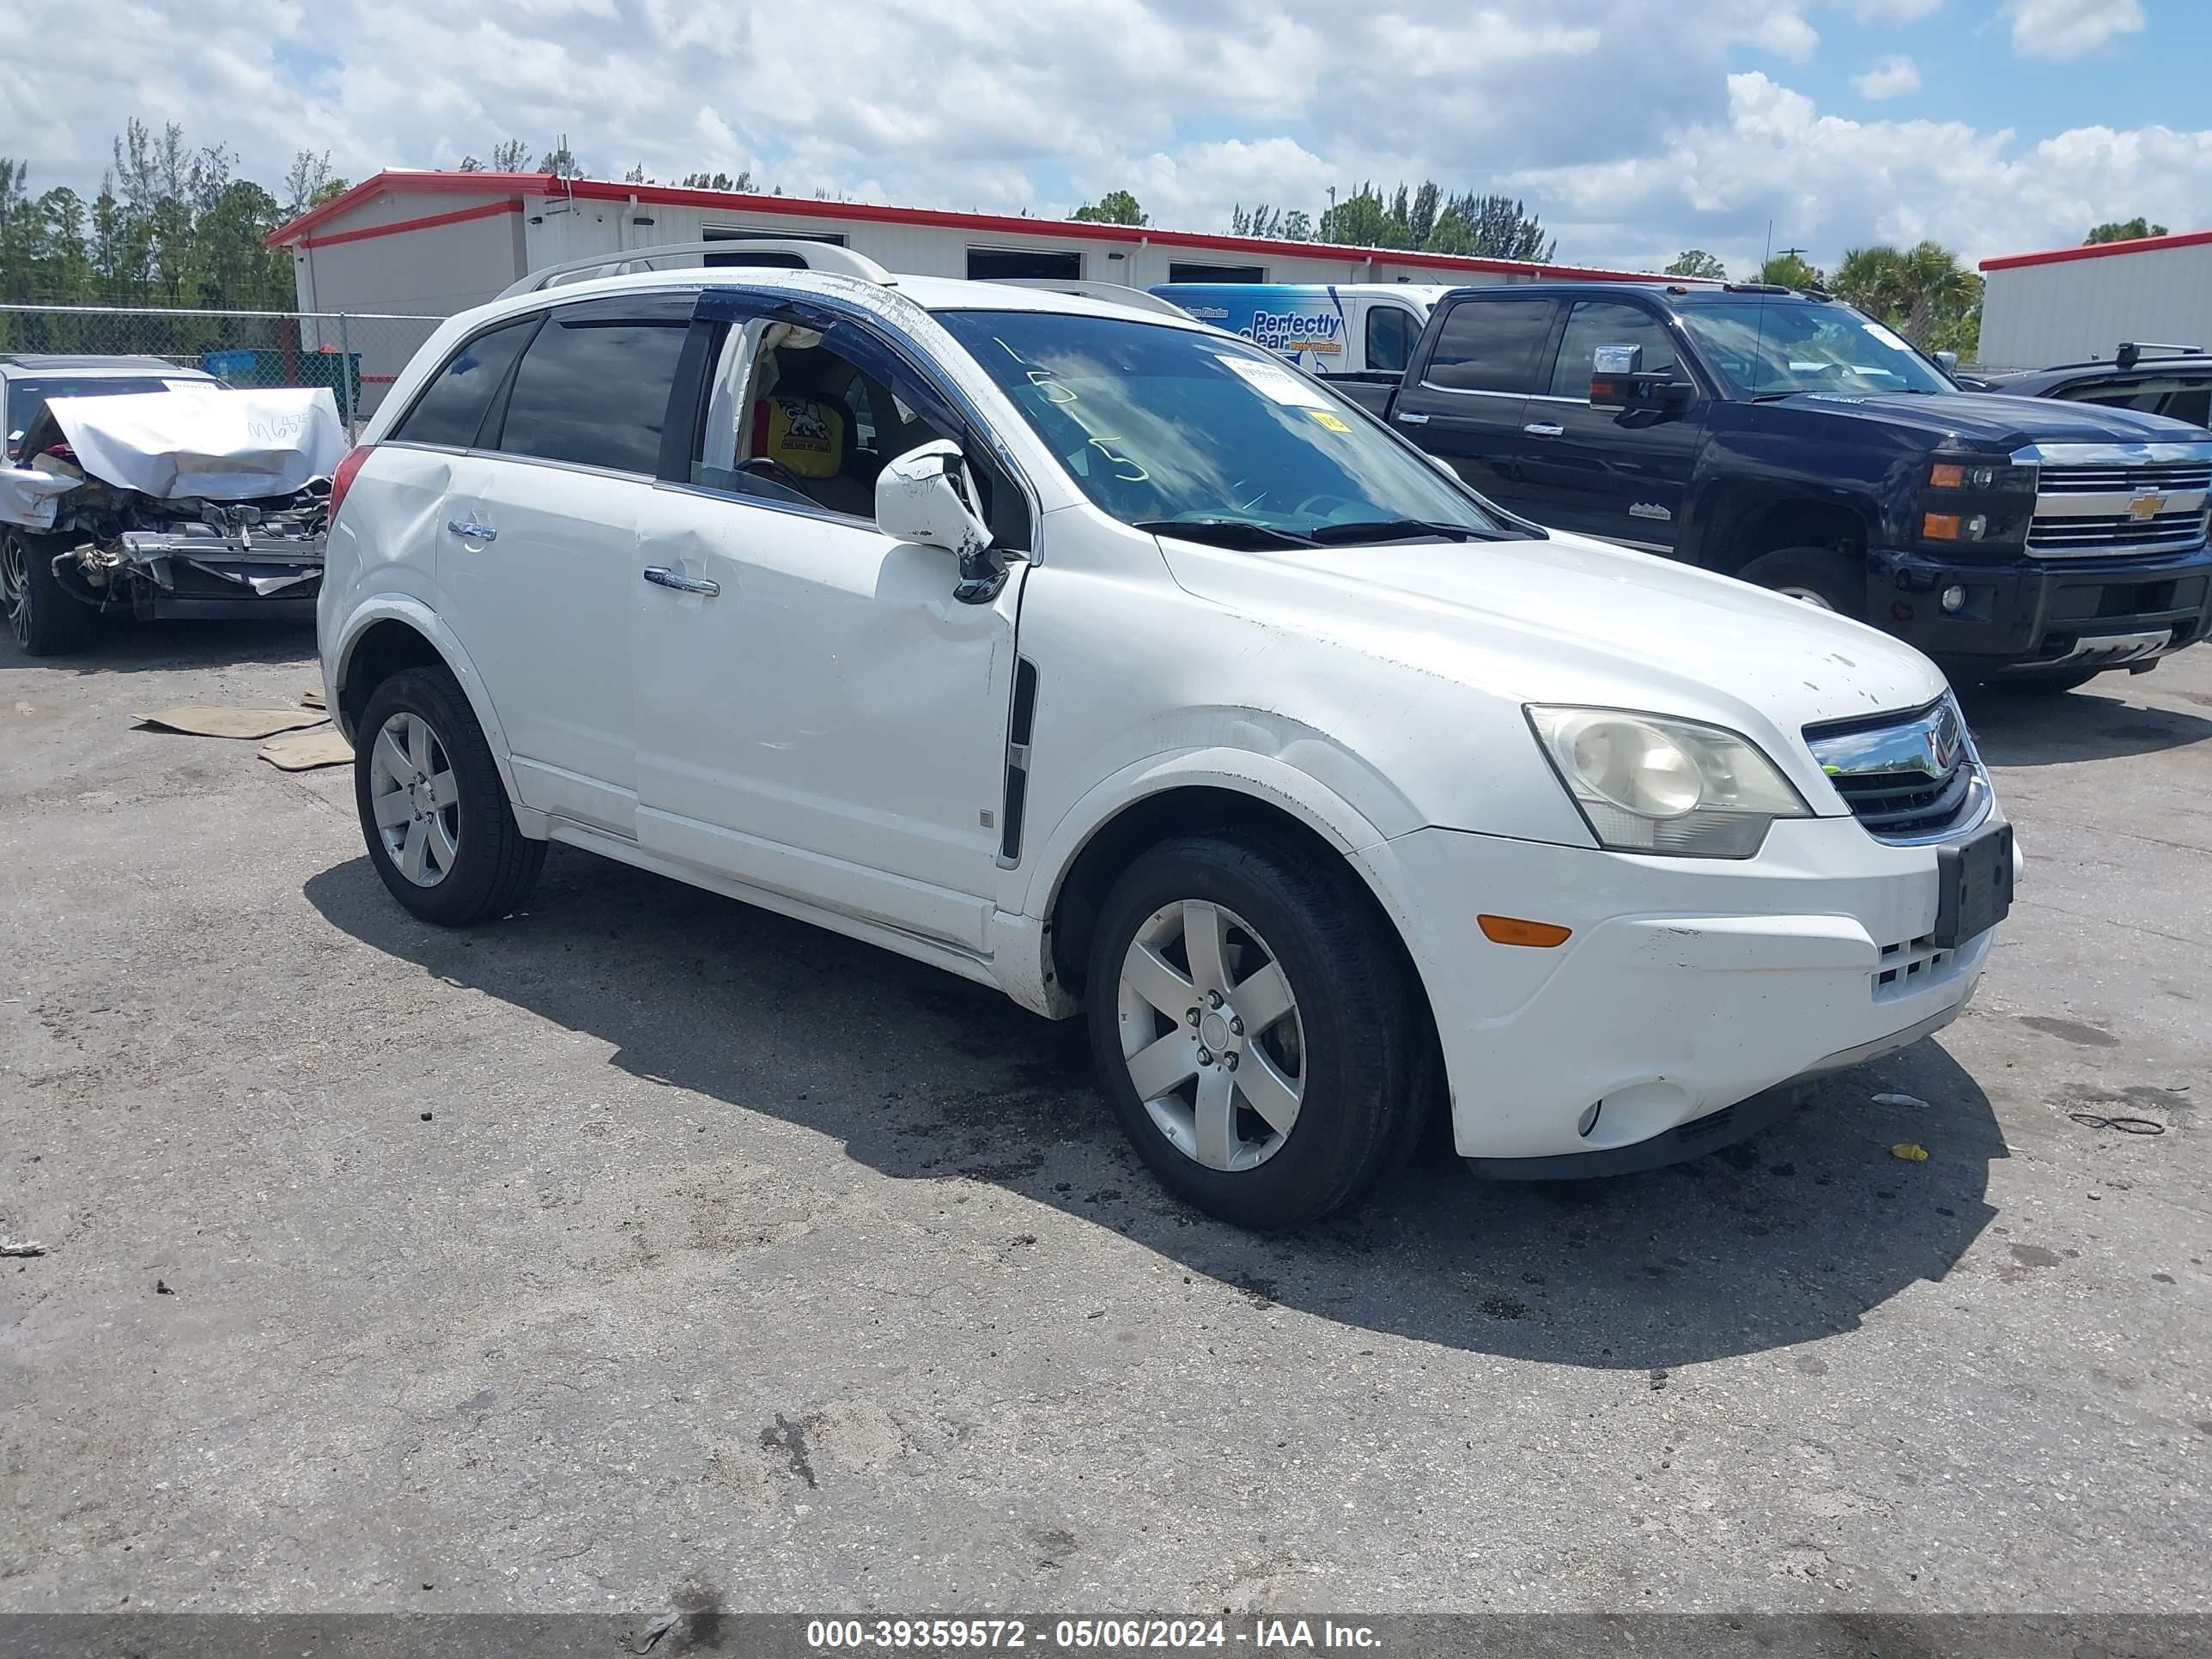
[191, 502]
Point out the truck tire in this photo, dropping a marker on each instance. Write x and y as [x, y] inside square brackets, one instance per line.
[1819, 575]
[45, 619]
[436, 817]
[1253, 1028]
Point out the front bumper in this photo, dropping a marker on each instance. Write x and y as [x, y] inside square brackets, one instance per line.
[1687, 987]
[2029, 614]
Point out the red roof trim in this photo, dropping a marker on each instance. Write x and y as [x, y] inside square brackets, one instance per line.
[2099, 250]
[604, 190]
[485, 210]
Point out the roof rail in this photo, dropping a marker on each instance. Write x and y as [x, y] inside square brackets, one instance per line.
[811, 256]
[2131, 351]
[1120, 293]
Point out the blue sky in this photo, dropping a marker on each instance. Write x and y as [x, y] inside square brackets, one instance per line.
[1634, 127]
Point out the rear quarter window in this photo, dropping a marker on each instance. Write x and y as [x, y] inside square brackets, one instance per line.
[450, 410]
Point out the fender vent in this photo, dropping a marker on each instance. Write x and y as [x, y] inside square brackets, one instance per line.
[1018, 760]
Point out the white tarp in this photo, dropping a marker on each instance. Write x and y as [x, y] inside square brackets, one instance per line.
[209, 441]
[28, 497]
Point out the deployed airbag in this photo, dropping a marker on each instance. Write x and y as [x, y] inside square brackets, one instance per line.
[214, 443]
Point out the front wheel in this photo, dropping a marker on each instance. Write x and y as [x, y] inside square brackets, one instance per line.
[1820, 577]
[432, 810]
[1253, 1028]
[44, 620]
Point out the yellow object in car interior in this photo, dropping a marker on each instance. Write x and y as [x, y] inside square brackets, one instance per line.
[805, 435]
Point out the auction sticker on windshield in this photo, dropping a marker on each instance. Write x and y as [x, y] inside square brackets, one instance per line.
[1276, 382]
[1887, 338]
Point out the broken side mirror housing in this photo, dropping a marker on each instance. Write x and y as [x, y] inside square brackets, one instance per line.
[923, 497]
[1620, 383]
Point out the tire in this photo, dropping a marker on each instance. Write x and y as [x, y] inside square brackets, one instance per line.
[1819, 575]
[470, 858]
[2044, 685]
[45, 619]
[1350, 1049]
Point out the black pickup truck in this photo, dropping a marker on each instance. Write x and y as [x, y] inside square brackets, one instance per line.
[1784, 438]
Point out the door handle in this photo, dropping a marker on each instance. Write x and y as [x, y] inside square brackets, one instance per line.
[1544, 430]
[662, 576]
[1412, 418]
[477, 532]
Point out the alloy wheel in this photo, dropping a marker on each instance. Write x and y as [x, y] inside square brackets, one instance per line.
[415, 798]
[15, 587]
[1211, 1035]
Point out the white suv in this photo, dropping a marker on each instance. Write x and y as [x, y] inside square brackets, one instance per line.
[1092, 654]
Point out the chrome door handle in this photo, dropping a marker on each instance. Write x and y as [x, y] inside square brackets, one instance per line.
[1412, 418]
[475, 532]
[661, 576]
[1544, 428]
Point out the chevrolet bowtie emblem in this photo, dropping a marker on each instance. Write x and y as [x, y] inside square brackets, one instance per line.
[2146, 507]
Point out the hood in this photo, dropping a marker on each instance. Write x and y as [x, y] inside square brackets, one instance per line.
[213, 443]
[1995, 420]
[1571, 620]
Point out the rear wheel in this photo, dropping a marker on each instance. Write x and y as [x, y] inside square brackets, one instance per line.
[432, 810]
[1819, 576]
[44, 620]
[1252, 1027]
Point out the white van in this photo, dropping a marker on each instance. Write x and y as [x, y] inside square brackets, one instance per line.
[1325, 328]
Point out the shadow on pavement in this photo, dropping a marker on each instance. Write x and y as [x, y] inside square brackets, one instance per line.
[122, 645]
[2013, 728]
[1791, 1237]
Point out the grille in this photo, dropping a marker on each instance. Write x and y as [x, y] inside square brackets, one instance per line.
[2084, 510]
[1905, 969]
[2095, 480]
[1906, 777]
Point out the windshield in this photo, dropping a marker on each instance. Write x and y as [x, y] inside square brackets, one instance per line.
[26, 397]
[1167, 428]
[1765, 347]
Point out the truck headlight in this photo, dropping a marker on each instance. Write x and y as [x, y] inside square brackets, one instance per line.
[1648, 784]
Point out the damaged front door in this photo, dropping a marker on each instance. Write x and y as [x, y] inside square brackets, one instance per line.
[817, 714]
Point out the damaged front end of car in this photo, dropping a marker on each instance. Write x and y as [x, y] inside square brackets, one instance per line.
[211, 504]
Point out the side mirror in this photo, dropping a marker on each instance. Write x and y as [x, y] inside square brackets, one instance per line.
[1949, 360]
[1620, 382]
[920, 497]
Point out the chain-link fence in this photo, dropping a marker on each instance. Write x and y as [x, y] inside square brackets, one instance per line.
[357, 355]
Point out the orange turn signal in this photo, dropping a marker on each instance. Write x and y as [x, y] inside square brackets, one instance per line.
[1948, 474]
[1939, 527]
[1511, 930]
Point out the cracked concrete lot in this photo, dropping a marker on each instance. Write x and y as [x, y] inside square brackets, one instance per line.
[644, 1241]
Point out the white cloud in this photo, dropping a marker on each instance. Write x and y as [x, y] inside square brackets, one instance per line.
[1634, 130]
[1891, 78]
[2067, 28]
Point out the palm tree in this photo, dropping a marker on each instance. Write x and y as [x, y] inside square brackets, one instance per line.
[1914, 289]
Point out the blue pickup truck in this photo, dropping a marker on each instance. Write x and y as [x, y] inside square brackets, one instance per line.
[1782, 437]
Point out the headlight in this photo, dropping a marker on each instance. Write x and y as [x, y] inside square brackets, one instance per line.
[1647, 784]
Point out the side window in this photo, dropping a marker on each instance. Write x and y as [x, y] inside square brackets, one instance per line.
[452, 407]
[594, 392]
[1593, 323]
[1390, 334]
[2121, 394]
[1490, 345]
[790, 419]
[2192, 404]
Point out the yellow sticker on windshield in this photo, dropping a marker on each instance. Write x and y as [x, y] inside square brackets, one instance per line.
[1328, 420]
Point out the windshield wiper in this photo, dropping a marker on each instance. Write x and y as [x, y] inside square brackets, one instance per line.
[1400, 530]
[1223, 533]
